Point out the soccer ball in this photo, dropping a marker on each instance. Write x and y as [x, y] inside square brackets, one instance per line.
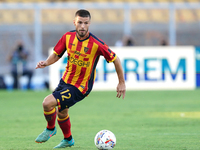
[105, 140]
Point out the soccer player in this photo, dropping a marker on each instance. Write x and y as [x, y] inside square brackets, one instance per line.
[84, 50]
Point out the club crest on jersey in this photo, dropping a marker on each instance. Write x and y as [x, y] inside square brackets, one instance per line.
[86, 49]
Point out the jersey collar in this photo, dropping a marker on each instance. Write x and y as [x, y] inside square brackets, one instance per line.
[84, 38]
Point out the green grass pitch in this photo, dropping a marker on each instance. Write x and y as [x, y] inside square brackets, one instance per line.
[144, 120]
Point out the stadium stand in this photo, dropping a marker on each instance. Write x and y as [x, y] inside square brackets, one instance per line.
[56, 16]
[16, 16]
[140, 15]
[19, 23]
[97, 16]
[197, 14]
[114, 16]
[158, 15]
[186, 15]
[145, 1]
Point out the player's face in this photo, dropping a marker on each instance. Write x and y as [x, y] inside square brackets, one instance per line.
[82, 25]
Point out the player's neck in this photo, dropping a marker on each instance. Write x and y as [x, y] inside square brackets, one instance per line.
[82, 38]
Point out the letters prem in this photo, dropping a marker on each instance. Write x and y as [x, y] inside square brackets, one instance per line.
[146, 69]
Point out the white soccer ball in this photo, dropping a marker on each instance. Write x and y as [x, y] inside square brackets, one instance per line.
[105, 140]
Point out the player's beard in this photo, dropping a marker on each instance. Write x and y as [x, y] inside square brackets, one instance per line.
[82, 34]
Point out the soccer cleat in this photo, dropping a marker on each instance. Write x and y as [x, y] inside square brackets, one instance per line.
[65, 143]
[45, 135]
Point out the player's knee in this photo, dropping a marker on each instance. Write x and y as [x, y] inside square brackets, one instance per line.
[49, 103]
[45, 104]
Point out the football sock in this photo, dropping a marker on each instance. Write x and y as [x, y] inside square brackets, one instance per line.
[50, 118]
[65, 126]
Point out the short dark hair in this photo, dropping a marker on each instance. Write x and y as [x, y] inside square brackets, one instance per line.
[83, 13]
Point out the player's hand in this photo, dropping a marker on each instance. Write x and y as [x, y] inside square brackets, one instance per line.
[41, 64]
[121, 90]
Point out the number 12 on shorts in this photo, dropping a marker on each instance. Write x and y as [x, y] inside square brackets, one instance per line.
[65, 95]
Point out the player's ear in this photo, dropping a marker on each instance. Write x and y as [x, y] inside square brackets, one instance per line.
[74, 22]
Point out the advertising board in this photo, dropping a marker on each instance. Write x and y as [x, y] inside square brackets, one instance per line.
[145, 68]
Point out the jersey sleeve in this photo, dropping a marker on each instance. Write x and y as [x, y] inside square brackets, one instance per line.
[108, 54]
[60, 47]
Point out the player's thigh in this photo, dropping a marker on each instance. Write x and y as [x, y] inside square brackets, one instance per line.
[49, 102]
[67, 97]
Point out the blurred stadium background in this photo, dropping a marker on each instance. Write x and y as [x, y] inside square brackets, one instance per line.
[160, 119]
[40, 23]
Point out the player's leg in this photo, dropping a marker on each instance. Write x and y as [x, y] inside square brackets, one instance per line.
[15, 78]
[49, 105]
[50, 112]
[29, 74]
[65, 125]
[66, 96]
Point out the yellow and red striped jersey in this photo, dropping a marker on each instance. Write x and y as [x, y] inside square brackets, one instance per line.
[83, 56]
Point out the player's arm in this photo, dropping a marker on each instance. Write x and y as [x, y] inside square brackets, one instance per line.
[50, 60]
[121, 87]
